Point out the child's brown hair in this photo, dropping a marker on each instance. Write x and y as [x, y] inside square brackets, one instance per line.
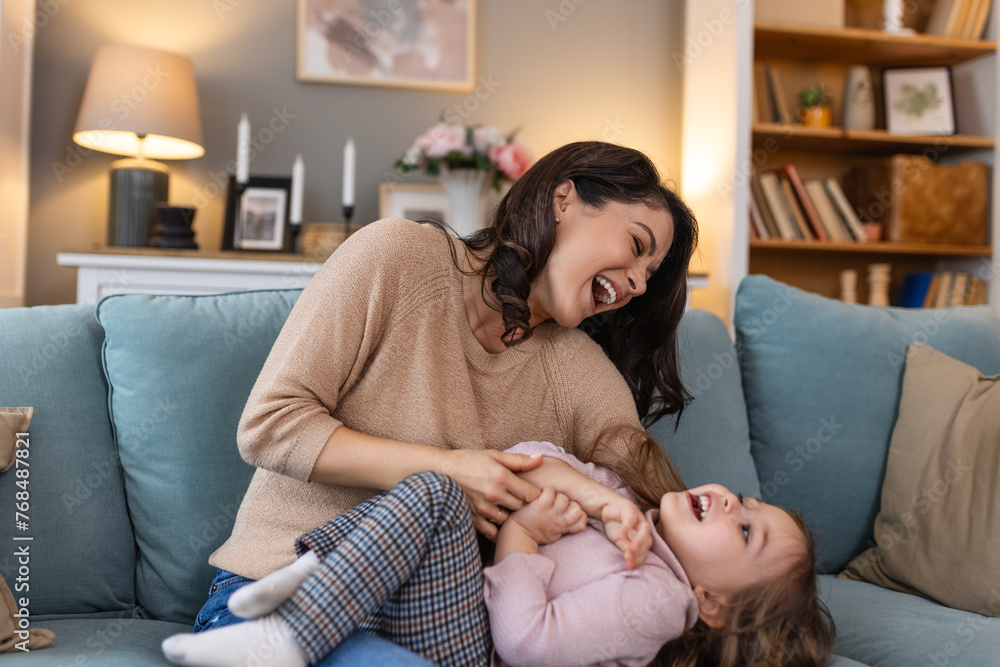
[779, 623]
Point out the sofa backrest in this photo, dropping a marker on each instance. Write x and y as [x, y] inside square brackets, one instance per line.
[822, 381]
[81, 558]
[179, 370]
[712, 442]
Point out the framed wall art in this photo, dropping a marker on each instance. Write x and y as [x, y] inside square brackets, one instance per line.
[413, 202]
[257, 215]
[404, 43]
[919, 100]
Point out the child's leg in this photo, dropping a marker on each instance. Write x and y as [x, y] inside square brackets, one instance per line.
[413, 571]
[262, 597]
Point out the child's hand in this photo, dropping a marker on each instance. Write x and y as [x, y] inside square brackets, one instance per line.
[627, 527]
[549, 517]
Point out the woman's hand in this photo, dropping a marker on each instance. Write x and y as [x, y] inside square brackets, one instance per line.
[491, 484]
[627, 527]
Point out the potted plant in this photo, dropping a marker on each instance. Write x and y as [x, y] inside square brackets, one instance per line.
[814, 107]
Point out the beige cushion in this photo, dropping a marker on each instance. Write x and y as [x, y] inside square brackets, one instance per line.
[938, 530]
[12, 422]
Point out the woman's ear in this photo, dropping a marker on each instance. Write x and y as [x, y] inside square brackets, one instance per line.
[564, 194]
[711, 608]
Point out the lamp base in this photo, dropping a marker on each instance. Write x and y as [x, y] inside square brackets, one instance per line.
[137, 185]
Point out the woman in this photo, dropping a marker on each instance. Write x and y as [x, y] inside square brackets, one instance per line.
[410, 351]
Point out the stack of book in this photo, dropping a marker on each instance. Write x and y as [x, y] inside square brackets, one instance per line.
[964, 19]
[937, 289]
[785, 207]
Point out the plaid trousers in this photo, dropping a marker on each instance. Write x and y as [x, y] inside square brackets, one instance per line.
[405, 565]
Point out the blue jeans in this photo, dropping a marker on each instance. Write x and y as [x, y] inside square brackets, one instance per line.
[361, 648]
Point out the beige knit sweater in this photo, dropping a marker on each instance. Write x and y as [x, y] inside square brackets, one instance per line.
[379, 341]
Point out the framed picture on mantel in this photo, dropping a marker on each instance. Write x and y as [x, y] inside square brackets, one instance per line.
[426, 44]
[257, 215]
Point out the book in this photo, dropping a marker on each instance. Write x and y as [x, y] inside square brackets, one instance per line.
[758, 195]
[932, 291]
[845, 209]
[977, 24]
[782, 113]
[943, 294]
[757, 225]
[959, 284]
[978, 292]
[812, 217]
[775, 199]
[793, 205]
[945, 18]
[828, 215]
[914, 289]
[763, 107]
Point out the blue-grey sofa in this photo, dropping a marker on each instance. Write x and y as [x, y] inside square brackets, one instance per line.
[135, 476]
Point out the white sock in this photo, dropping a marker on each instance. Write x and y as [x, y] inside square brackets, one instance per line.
[265, 641]
[262, 597]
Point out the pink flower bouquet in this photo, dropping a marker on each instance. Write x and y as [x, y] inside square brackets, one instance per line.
[467, 147]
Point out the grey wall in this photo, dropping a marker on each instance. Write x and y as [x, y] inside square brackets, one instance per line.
[564, 70]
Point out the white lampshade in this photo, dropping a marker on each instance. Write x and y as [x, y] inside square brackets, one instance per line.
[140, 102]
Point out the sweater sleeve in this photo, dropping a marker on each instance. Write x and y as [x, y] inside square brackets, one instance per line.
[624, 617]
[334, 327]
[591, 395]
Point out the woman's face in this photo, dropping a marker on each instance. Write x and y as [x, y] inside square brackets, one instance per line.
[601, 258]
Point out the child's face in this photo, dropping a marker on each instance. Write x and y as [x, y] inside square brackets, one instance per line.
[729, 546]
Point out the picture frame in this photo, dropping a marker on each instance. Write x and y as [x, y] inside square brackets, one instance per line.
[413, 202]
[919, 100]
[424, 44]
[257, 215]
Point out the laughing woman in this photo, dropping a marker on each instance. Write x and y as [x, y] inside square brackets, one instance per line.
[414, 351]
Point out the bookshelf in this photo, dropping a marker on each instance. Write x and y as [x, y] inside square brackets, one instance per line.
[806, 55]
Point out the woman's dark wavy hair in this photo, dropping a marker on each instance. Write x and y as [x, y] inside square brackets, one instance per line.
[641, 337]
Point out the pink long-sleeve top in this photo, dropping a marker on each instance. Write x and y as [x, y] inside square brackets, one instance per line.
[575, 603]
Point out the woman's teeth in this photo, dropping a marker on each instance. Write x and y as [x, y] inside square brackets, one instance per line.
[703, 501]
[608, 298]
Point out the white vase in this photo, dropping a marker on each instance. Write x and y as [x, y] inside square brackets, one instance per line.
[859, 99]
[465, 198]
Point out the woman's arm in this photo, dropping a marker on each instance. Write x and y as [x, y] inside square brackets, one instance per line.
[350, 458]
[623, 520]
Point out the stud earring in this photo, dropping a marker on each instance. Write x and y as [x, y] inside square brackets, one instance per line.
[557, 218]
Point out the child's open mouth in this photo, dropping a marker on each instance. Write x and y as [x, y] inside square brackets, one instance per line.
[699, 506]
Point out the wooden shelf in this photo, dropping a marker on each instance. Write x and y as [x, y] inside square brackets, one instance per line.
[837, 139]
[858, 45]
[924, 249]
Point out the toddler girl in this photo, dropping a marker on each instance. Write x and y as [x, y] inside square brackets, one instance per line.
[707, 577]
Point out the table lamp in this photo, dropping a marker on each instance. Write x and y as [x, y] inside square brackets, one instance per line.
[144, 104]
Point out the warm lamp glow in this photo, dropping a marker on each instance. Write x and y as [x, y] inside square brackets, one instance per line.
[140, 102]
[128, 143]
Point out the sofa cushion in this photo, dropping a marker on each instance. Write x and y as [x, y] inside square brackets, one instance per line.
[82, 555]
[822, 381]
[180, 369]
[119, 642]
[712, 443]
[884, 628]
[937, 527]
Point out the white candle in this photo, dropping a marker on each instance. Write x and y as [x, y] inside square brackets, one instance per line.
[349, 154]
[298, 179]
[243, 150]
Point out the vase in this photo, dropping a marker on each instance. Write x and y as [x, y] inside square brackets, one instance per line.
[465, 198]
[859, 99]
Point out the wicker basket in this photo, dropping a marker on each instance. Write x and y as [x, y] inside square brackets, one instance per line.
[918, 200]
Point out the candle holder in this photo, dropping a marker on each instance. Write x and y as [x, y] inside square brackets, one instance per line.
[348, 214]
